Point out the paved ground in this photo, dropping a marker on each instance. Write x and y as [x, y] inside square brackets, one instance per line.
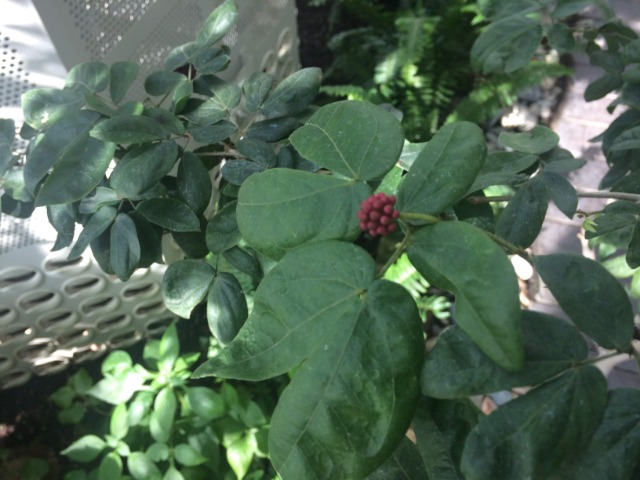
[576, 124]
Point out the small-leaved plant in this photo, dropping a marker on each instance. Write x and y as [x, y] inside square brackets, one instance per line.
[157, 426]
[267, 197]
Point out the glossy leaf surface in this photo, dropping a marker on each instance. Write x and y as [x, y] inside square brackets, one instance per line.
[339, 387]
[594, 300]
[444, 170]
[458, 257]
[185, 284]
[280, 209]
[356, 139]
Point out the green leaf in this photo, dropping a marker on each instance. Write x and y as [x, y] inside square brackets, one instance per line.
[562, 192]
[63, 397]
[222, 230]
[441, 428]
[142, 468]
[150, 238]
[628, 140]
[322, 306]
[88, 77]
[167, 119]
[110, 467]
[117, 390]
[239, 455]
[212, 60]
[633, 252]
[164, 410]
[507, 45]
[34, 469]
[119, 424]
[226, 307]
[169, 348]
[258, 151]
[256, 89]
[173, 474]
[205, 112]
[245, 262]
[456, 367]
[101, 197]
[444, 170]
[460, 258]
[139, 408]
[188, 456]
[181, 56]
[63, 139]
[356, 139]
[602, 86]
[206, 403]
[293, 94]
[185, 284]
[169, 213]
[158, 452]
[193, 183]
[592, 297]
[217, 24]
[85, 449]
[405, 463]
[127, 129]
[272, 130]
[223, 96]
[43, 107]
[116, 362]
[163, 82]
[125, 247]
[210, 134]
[237, 171]
[561, 38]
[142, 167]
[280, 209]
[614, 449]
[98, 223]
[566, 8]
[121, 78]
[522, 219]
[539, 140]
[501, 168]
[530, 436]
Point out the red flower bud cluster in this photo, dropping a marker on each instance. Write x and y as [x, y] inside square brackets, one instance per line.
[378, 215]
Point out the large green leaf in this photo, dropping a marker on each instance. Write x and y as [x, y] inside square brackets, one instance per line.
[507, 45]
[86, 160]
[59, 141]
[441, 429]
[293, 94]
[85, 449]
[142, 467]
[521, 221]
[42, 107]
[458, 257]
[594, 300]
[405, 463]
[142, 167]
[456, 367]
[350, 403]
[614, 449]
[530, 436]
[185, 284]
[222, 230]
[128, 129]
[562, 192]
[501, 168]
[444, 170]
[280, 209]
[169, 213]
[217, 24]
[256, 89]
[357, 139]
[98, 223]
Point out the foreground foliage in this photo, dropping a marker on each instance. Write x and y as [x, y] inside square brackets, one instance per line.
[291, 287]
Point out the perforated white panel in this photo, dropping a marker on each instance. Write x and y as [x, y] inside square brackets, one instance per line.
[52, 312]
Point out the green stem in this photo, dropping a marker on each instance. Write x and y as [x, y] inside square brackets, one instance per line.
[508, 246]
[419, 216]
[632, 197]
[591, 361]
[396, 254]
[636, 356]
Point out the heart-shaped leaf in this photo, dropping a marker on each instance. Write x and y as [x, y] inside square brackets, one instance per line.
[348, 405]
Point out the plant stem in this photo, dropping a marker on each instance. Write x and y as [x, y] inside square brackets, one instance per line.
[636, 356]
[396, 254]
[509, 246]
[598, 359]
[419, 216]
[632, 197]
